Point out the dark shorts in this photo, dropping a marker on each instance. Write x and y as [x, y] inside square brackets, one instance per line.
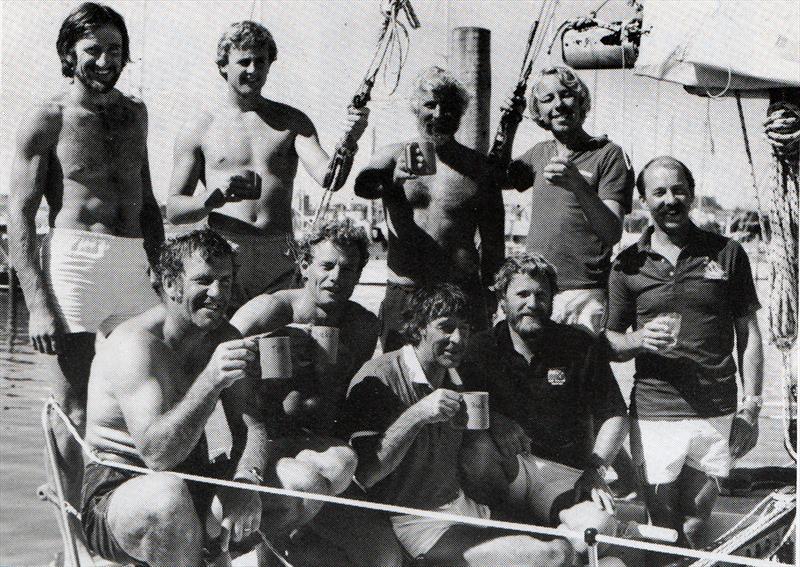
[394, 305]
[99, 483]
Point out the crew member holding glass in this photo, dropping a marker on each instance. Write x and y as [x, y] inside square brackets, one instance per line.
[677, 300]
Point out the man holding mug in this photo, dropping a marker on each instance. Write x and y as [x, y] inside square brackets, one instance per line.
[686, 429]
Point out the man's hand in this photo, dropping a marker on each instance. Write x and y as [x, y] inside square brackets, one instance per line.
[583, 516]
[562, 172]
[591, 483]
[44, 329]
[234, 360]
[356, 123]
[438, 406]
[402, 171]
[515, 104]
[234, 513]
[237, 187]
[744, 433]
[654, 336]
[509, 436]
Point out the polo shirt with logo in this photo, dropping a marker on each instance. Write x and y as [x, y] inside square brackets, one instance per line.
[559, 229]
[710, 286]
[385, 387]
[567, 385]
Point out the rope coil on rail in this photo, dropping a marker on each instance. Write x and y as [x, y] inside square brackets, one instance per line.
[52, 405]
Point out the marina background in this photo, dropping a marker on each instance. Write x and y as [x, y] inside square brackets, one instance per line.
[324, 48]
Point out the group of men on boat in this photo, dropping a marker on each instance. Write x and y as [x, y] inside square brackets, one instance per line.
[143, 337]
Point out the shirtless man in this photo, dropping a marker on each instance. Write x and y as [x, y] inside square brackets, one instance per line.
[154, 383]
[245, 152]
[432, 219]
[85, 152]
[331, 259]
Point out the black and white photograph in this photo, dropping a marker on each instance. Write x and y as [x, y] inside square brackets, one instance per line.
[399, 283]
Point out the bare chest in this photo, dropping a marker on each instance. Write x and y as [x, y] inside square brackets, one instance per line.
[246, 141]
[445, 192]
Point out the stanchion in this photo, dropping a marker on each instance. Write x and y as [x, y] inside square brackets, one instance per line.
[590, 537]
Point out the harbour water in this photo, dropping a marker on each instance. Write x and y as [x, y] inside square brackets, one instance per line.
[29, 532]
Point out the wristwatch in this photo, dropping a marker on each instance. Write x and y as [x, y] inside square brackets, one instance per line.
[253, 475]
[753, 401]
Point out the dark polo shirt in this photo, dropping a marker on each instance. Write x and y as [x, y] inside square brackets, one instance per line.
[710, 287]
[384, 388]
[554, 398]
[559, 230]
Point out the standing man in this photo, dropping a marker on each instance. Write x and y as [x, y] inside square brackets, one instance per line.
[331, 258]
[85, 152]
[686, 428]
[582, 187]
[245, 153]
[154, 384]
[548, 384]
[433, 219]
[399, 418]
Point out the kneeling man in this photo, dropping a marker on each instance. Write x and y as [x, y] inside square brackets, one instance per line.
[548, 384]
[399, 417]
[153, 385]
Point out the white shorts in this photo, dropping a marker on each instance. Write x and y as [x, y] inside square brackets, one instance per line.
[539, 483]
[98, 280]
[419, 534]
[663, 447]
[582, 308]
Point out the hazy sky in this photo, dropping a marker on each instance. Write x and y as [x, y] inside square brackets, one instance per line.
[324, 49]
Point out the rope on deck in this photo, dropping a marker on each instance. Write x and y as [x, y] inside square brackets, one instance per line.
[51, 404]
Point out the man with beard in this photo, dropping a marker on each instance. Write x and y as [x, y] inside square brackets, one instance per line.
[582, 187]
[686, 428]
[433, 219]
[401, 418]
[331, 258]
[245, 152]
[85, 152]
[548, 384]
[153, 387]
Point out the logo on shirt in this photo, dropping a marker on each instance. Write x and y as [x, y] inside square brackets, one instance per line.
[556, 376]
[713, 271]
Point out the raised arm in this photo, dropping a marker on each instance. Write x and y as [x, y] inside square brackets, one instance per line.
[491, 228]
[150, 216]
[378, 178]
[166, 435]
[184, 204]
[36, 139]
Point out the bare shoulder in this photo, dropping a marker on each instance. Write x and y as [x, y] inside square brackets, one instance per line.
[294, 118]
[41, 124]
[133, 348]
[264, 313]
[194, 129]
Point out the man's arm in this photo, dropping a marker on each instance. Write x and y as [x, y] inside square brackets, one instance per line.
[262, 314]
[150, 216]
[491, 225]
[166, 435]
[184, 205]
[244, 412]
[377, 179]
[36, 138]
[744, 432]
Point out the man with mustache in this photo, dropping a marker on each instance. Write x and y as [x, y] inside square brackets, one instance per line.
[331, 258]
[245, 151]
[581, 188]
[548, 385]
[85, 152]
[687, 428]
[433, 217]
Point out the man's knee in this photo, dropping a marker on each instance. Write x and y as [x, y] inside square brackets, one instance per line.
[336, 464]
[295, 474]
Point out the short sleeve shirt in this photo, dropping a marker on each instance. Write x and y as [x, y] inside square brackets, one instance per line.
[385, 387]
[559, 228]
[568, 382]
[710, 287]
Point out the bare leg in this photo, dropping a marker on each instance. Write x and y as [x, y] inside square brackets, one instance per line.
[68, 373]
[153, 520]
[471, 546]
[698, 493]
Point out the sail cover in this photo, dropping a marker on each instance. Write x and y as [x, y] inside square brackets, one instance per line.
[722, 44]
